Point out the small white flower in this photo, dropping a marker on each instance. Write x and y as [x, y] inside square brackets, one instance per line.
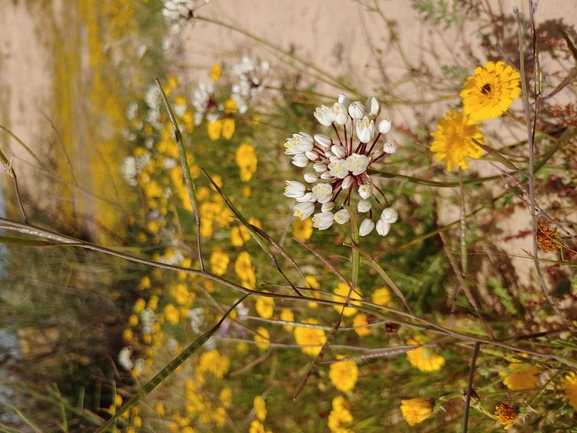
[372, 107]
[340, 113]
[242, 310]
[365, 129]
[390, 215]
[366, 227]
[324, 115]
[383, 227]
[304, 210]
[364, 206]
[294, 189]
[342, 216]
[196, 316]
[322, 192]
[357, 164]
[323, 221]
[338, 168]
[384, 126]
[390, 147]
[124, 358]
[356, 110]
[311, 177]
[365, 191]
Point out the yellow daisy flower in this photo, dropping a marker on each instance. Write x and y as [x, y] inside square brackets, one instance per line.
[262, 338]
[416, 410]
[264, 306]
[344, 375]
[340, 416]
[311, 339]
[215, 72]
[341, 293]
[259, 408]
[245, 270]
[424, 358]
[287, 315]
[214, 129]
[302, 230]
[452, 140]
[239, 235]
[359, 322]
[246, 160]
[490, 92]
[382, 296]
[257, 427]
[225, 397]
[228, 128]
[218, 261]
[569, 385]
[521, 376]
[506, 415]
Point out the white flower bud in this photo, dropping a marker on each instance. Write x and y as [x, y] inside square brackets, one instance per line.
[372, 107]
[328, 206]
[294, 189]
[324, 140]
[365, 129]
[356, 110]
[313, 156]
[311, 177]
[342, 99]
[338, 150]
[366, 227]
[300, 160]
[384, 126]
[390, 215]
[347, 182]
[364, 206]
[383, 227]
[319, 167]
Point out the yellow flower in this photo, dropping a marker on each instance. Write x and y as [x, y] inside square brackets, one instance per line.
[264, 306]
[416, 410]
[287, 315]
[213, 129]
[246, 160]
[139, 306]
[227, 127]
[172, 314]
[239, 235]
[230, 106]
[360, 322]
[245, 270]
[215, 72]
[213, 362]
[341, 293]
[302, 230]
[452, 140]
[262, 338]
[344, 375]
[569, 385]
[311, 339]
[424, 358]
[225, 397]
[159, 408]
[246, 191]
[218, 261]
[340, 416]
[506, 415]
[382, 297]
[490, 92]
[521, 376]
[259, 408]
[257, 427]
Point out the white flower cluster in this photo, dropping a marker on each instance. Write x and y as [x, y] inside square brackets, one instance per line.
[252, 74]
[132, 166]
[176, 10]
[339, 168]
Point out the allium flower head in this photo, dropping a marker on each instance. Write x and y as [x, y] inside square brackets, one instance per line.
[453, 144]
[340, 164]
[490, 92]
